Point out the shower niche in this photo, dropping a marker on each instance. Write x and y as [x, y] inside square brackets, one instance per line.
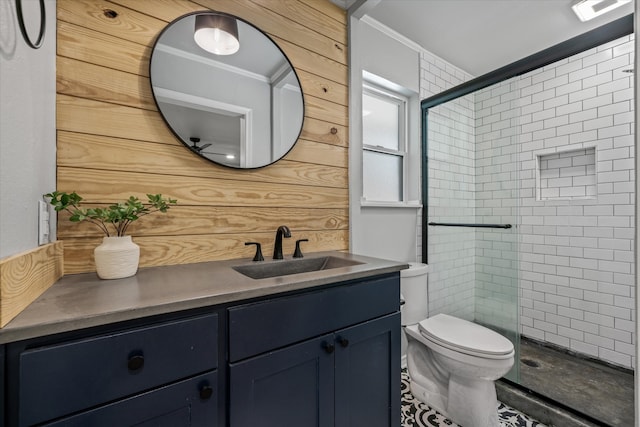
[567, 175]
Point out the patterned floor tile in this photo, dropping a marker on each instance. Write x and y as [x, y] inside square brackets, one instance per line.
[417, 414]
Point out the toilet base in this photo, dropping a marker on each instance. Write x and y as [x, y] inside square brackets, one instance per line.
[472, 403]
[469, 403]
[435, 400]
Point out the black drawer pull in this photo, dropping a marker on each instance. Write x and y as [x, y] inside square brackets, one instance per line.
[206, 391]
[328, 347]
[343, 341]
[135, 363]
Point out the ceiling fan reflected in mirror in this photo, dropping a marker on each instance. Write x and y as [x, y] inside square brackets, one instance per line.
[200, 148]
[195, 145]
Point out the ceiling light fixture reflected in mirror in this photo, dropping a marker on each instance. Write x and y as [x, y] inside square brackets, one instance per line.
[217, 34]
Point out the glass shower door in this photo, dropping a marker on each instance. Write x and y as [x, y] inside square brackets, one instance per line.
[473, 210]
[496, 197]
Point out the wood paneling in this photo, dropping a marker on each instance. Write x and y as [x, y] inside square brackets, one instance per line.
[113, 186]
[185, 249]
[128, 24]
[84, 115]
[307, 31]
[194, 220]
[88, 45]
[302, 12]
[80, 150]
[112, 141]
[328, 9]
[318, 87]
[24, 277]
[89, 81]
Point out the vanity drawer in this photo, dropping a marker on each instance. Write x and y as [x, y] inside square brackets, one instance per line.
[266, 325]
[59, 379]
[192, 402]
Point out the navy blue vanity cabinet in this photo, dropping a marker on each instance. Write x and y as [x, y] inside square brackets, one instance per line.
[161, 374]
[367, 374]
[323, 358]
[287, 387]
[186, 403]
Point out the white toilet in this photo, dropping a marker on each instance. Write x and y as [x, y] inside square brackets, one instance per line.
[452, 363]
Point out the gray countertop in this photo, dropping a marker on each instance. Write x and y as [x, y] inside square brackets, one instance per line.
[83, 300]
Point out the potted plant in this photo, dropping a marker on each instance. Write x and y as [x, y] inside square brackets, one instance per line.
[118, 256]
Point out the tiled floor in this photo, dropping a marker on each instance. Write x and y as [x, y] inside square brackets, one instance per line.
[417, 414]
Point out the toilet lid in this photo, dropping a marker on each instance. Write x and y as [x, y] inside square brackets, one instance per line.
[465, 336]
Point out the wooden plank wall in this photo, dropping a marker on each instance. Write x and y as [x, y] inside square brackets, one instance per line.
[25, 276]
[112, 141]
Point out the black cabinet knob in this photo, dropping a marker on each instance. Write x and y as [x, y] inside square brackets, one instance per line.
[328, 347]
[135, 362]
[343, 341]
[206, 391]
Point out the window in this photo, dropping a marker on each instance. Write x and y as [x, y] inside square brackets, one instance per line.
[384, 129]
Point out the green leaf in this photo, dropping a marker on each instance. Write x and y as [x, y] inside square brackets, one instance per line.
[119, 215]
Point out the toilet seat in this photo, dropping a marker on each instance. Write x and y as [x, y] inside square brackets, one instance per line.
[466, 337]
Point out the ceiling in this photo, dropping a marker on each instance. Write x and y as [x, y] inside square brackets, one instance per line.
[258, 55]
[479, 36]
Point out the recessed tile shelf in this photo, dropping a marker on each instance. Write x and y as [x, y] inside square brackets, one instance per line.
[567, 175]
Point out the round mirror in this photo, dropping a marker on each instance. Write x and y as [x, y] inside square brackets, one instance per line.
[241, 106]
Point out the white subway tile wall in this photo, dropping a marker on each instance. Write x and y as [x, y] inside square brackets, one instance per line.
[451, 252]
[576, 252]
[570, 189]
[496, 193]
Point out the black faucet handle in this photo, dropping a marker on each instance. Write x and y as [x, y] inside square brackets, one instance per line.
[298, 253]
[258, 256]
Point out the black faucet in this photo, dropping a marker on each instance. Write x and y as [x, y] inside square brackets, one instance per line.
[283, 230]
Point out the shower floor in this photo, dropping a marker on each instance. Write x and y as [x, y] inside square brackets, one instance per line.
[600, 391]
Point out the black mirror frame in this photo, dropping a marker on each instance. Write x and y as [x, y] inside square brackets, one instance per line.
[210, 11]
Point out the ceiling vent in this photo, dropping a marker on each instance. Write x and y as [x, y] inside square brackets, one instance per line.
[589, 9]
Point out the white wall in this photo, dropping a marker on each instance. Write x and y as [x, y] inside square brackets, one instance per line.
[27, 125]
[382, 231]
[286, 108]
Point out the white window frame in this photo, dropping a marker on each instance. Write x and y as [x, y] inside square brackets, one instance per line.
[402, 101]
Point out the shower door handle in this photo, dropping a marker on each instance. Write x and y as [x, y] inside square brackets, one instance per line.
[460, 224]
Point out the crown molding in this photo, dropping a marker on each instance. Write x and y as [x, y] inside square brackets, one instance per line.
[392, 33]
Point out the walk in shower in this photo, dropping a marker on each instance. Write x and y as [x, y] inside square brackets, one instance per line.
[529, 227]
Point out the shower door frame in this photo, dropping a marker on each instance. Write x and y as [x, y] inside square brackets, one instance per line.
[613, 30]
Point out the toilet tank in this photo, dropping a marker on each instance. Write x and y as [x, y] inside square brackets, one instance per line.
[413, 287]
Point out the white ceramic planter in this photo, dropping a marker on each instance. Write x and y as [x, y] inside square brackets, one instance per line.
[117, 257]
